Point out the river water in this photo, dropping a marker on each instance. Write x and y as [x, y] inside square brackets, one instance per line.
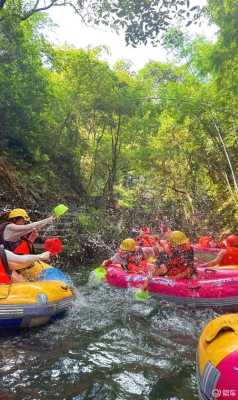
[108, 347]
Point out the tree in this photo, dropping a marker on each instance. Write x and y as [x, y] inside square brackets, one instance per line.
[142, 21]
[23, 85]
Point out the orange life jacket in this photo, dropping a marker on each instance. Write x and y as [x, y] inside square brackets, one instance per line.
[4, 269]
[230, 257]
[204, 241]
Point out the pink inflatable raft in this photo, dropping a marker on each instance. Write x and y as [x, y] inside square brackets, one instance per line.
[206, 250]
[212, 287]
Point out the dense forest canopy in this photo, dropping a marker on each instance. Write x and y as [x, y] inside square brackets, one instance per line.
[163, 140]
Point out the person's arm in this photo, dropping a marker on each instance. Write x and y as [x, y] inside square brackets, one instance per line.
[146, 252]
[182, 275]
[217, 260]
[14, 232]
[16, 261]
[31, 237]
[106, 263]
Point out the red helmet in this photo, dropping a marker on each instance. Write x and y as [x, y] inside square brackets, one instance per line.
[232, 241]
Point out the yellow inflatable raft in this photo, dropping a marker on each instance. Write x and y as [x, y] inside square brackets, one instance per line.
[35, 302]
[217, 359]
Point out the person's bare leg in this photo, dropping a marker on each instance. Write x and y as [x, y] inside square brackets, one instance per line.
[17, 278]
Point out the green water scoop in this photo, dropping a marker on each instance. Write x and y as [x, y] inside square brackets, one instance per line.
[60, 210]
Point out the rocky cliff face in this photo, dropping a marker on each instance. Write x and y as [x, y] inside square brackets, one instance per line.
[12, 190]
[32, 187]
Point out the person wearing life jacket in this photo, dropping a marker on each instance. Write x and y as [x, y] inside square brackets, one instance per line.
[145, 238]
[10, 263]
[128, 257]
[224, 244]
[177, 259]
[18, 233]
[227, 256]
[206, 242]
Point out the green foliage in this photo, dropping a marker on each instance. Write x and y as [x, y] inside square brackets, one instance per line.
[140, 147]
[87, 222]
[142, 21]
[23, 86]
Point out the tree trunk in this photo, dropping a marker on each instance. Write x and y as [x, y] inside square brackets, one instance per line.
[215, 123]
[115, 146]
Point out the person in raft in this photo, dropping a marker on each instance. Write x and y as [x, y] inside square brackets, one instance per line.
[227, 256]
[18, 233]
[177, 259]
[129, 257]
[206, 242]
[10, 263]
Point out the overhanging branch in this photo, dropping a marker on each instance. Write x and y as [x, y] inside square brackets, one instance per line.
[44, 8]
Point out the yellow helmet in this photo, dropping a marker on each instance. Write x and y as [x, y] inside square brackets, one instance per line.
[151, 260]
[128, 245]
[178, 237]
[19, 212]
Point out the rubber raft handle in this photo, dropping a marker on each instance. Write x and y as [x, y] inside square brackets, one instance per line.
[222, 324]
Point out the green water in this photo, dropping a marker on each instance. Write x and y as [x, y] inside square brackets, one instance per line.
[108, 347]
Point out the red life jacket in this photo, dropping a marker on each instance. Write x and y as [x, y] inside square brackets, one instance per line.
[180, 261]
[132, 268]
[132, 259]
[4, 269]
[151, 241]
[230, 257]
[144, 265]
[23, 247]
[222, 244]
[146, 241]
[204, 241]
[140, 267]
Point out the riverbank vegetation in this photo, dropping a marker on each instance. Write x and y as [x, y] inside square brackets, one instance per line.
[123, 147]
